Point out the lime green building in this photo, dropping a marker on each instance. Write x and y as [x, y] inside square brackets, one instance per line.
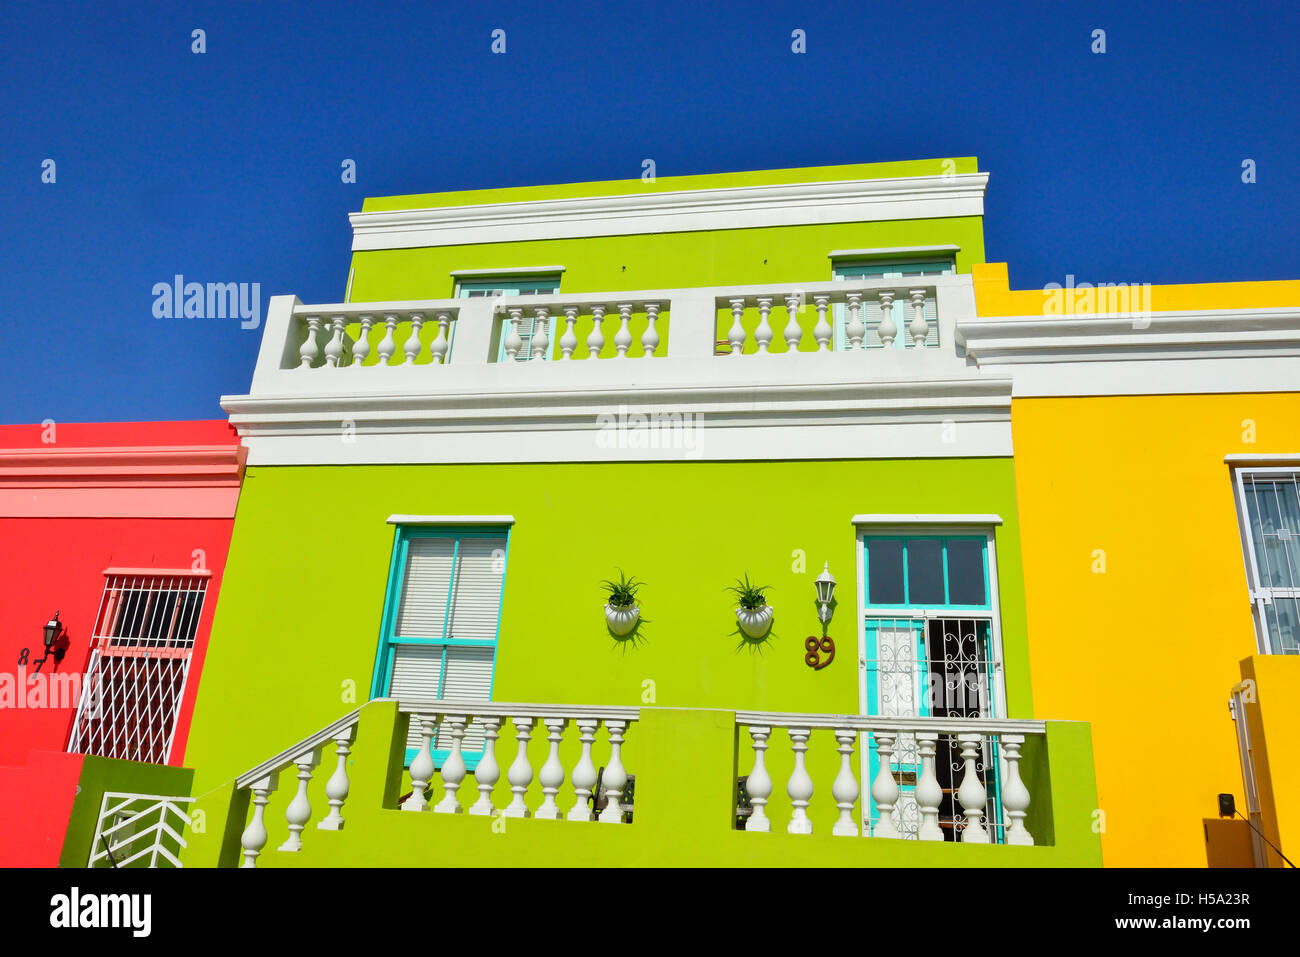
[689, 382]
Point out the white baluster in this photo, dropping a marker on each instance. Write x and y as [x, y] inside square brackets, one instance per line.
[514, 341]
[361, 348]
[552, 774]
[438, 348]
[1015, 796]
[569, 341]
[822, 332]
[453, 769]
[584, 775]
[596, 341]
[800, 785]
[623, 338]
[336, 788]
[792, 332]
[919, 327]
[388, 344]
[487, 772]
[615, 777]
[763, 332]
[884, 789]
[759, 783]
[520, 774]
[334, 348]
[736, 334]
[855, 330]
[845, 787]
[650, 338]
[928, 792]
[541, 342]
[422, 766]
[411, 347]
[308, 351]
[888, 329]
[254, 837]
[971, 794]
[298, 813]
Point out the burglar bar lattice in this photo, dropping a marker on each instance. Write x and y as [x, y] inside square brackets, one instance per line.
[144, 636]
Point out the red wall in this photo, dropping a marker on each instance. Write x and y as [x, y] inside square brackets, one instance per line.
[53, 563]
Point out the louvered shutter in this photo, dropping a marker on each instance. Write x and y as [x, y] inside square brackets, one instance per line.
[417, 671]
[469, 678]
[426, 580]
[476, 599]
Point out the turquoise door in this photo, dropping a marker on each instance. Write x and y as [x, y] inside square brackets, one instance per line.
[509, 289]
[902, 310]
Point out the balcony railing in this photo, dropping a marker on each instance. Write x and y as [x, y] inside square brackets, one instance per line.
[929, 779]
[422, 345]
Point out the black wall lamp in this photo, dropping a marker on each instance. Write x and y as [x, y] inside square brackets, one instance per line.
[56, 643]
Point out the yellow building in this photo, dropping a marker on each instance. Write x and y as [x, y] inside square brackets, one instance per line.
[1156, 433]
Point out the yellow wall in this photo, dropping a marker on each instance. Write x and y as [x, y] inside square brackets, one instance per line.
[1274, 715]
[1148, 648]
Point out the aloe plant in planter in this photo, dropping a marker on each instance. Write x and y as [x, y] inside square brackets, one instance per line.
[621, 610]
[754, 613]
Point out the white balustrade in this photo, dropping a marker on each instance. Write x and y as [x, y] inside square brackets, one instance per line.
[336, 788]
[254, 837]
[429, 716]
[298, 813]
[930, 778]
[527, 328]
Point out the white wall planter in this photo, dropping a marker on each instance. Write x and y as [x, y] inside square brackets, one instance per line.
[622, 621]
[756, 622]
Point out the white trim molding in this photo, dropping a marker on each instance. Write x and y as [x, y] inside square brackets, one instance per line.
[741, 207]
[1157, 353]
[451, 519]
[984, 521]
[507, 272]
[883, 252]
[1253, 460]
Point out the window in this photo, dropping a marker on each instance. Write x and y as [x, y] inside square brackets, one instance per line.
[441, 622]
[143, 639]
[930, 649]
[1269, 514]
[538, 286]
[902, 310]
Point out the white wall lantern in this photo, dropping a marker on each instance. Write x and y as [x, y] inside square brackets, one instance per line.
[825, 592]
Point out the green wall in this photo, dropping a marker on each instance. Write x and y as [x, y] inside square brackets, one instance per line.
[298, 617]
[109, 774]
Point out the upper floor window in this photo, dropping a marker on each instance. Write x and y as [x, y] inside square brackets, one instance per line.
[1269, 510]
[441, 622]
[143, 638]
[872, 315]
[509, 288]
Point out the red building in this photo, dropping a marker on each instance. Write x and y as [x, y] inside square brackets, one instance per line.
[114, 535]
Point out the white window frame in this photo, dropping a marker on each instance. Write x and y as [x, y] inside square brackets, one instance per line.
[1257, 595]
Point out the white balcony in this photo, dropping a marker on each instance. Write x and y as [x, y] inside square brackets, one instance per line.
[724, 359]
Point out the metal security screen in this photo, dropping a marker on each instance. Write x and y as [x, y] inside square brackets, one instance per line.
[1270, 506]
[144, 636]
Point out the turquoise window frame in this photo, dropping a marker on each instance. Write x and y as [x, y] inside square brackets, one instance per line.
[388, 639]
[915, 616]
[510, 288]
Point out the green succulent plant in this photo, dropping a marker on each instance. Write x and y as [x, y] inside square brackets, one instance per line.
[622, 593]
[749, 596]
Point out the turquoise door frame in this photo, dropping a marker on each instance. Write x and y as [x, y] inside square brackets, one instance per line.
[389, 640]
[914, 617]
[510, 288]
[902, 312]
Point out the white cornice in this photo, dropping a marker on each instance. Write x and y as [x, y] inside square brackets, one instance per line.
[451, 519]
[912, 520]
[1205, 351]
[793, 204]
[955, 416]
[880, 252]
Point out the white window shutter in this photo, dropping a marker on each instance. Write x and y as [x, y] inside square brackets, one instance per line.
[476, 599]
[426, 579]
[417, 672]
[469, 678]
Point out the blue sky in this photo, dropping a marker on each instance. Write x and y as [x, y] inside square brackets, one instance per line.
[224, 166]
